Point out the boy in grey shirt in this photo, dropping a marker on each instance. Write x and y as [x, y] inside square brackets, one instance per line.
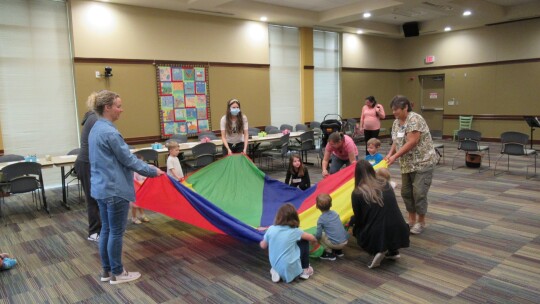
[330, 231]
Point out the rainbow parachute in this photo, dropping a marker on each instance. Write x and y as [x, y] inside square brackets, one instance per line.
[232, 196]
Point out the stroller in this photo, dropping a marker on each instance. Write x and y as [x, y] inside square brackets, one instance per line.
[329, 126]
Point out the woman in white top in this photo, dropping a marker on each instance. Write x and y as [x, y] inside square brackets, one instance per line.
[234, 131]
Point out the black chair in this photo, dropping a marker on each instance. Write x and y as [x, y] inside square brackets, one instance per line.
[148, 155]
[274, 131]
[280, 151]
[253, 131]
[211, 135]
[348, 126]
[73, 174]
[203, 154]
[314, 125]
[24, 177]
[179, 138]
[286, 127]
[10, 158]
[306, 143]
[437, 134]
[469, 142]
[268, 128]
[515, 143]
[301, 127]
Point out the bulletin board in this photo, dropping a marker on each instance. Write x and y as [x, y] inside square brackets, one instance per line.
[184, 99]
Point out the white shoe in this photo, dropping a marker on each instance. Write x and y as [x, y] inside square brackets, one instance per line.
[124, 277]
[307, 273]
[94, 237]
[275, 275]
[377, 260]
[417, 228]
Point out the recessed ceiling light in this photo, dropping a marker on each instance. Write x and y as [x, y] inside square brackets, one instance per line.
[447, 29]
[467, 13]
[263, 18]
[359, 32]
[367, 15]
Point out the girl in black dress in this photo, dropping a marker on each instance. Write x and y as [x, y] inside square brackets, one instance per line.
[379, 227]
[297, 174]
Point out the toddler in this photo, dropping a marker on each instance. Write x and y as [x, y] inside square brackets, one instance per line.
[288, 246]
[174, 169]
[297, 174]
[385, 174]
[330, 231]
[374, 157]
[138, 180]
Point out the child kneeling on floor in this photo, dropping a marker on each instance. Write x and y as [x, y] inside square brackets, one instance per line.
[330, 231]
[288, 246]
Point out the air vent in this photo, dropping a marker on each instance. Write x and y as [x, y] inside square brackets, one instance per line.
[211, 12]
[438, 6]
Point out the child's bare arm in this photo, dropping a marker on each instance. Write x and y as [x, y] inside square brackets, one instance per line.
[308, 237]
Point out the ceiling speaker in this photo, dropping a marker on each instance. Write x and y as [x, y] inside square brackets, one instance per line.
[410, 29]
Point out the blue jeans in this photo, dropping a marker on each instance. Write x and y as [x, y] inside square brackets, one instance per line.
[337, 163]
[113, 212]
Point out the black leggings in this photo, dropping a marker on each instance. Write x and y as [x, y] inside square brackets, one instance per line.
[369, 134]
[235, 148]
[304, 253]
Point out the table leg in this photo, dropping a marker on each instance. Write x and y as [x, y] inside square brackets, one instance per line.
[64, 190]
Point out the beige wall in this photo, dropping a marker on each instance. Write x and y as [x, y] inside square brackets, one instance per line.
[511, 41]
[370, 52]
[104, 30]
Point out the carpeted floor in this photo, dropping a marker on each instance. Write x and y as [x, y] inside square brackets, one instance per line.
[482, 245]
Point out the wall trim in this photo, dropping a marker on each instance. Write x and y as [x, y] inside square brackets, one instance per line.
[309, 67]
[457, 66]
[489, 116]
[146, 61]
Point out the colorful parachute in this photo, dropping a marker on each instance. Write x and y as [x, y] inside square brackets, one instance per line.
[232, 196]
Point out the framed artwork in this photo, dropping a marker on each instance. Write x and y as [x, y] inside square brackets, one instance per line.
[184, 100]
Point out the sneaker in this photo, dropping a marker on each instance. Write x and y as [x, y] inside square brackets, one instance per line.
[377, 260]
[275, 275]
[124, 277]
[307, 273]
[94, 237]
[136, 221]
[417, 228]
[338, 252]
[105, 276]
[144, 219]
[8, 263]
[328, 256]
[392, 255]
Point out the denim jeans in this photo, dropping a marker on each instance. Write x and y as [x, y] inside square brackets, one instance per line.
[113, 211]
[337, 163]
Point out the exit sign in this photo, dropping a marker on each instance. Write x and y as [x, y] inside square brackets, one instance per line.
[429, 59]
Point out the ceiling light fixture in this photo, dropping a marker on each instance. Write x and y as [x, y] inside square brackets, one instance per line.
[467, 13]
[359, 32]
[263, 18]
[367, 15]
[447, 29]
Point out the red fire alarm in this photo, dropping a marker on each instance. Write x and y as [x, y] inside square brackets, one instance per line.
[429, 59]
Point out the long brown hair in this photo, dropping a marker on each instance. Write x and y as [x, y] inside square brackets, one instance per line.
[229, 118]
[367, 184]
[292, 169]
[287, 216]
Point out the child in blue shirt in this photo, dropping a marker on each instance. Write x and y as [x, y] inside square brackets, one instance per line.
[330, 231]
[288, 246]
[373, 145]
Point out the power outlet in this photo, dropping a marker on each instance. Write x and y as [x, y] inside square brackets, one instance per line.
[98, 74]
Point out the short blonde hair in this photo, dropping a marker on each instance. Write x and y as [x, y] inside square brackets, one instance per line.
[384, 173]
[374, 141]
[171, 144]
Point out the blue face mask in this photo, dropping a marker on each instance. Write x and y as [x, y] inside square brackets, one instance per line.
[235, 111]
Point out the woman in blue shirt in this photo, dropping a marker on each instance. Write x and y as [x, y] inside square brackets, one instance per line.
[111, 179]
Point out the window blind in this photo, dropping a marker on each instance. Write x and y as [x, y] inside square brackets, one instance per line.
[326, 50]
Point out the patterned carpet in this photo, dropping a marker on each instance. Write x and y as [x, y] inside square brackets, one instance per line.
[482, 245]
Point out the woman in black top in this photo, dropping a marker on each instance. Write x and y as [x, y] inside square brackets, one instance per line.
[297, 174]
[379, 226]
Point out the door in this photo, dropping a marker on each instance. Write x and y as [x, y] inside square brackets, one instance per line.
[432, 100]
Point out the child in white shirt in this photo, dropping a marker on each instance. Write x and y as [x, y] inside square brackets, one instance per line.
[174, 169]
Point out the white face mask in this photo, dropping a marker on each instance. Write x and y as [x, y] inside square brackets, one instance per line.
[235, 111]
